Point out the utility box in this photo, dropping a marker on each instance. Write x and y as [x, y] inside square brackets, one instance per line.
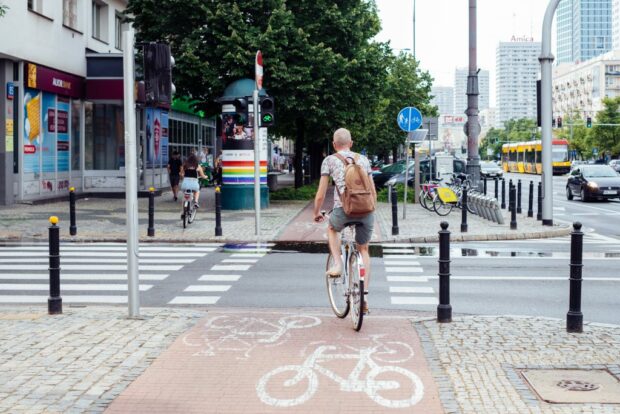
[444, 167]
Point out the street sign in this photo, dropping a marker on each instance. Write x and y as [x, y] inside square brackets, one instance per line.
[417, 136]
[409, 119]
[432, 124]
[259, 70]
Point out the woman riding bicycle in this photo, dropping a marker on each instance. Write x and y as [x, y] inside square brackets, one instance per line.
[190, 171]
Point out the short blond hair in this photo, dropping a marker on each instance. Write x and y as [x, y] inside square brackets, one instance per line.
[342, 137]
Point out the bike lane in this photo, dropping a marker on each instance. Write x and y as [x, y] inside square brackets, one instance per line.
[294, 361]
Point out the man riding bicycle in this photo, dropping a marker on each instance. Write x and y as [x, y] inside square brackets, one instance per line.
[334, 167]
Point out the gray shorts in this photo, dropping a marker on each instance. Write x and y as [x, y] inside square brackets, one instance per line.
[363, 232]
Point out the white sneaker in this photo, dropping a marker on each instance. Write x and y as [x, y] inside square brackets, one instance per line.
[334, 271]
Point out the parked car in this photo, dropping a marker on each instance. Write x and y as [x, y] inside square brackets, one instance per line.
[615, 164]
[388, 172]
[459, 166]
[377, 165]
[593, 181]
[490, 169]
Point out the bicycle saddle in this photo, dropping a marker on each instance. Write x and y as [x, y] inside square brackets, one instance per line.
[353, 223]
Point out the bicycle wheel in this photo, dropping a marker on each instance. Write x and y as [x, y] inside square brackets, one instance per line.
[423, 198]
[356, 292]
[192, 214]
[337, 291]
[441, 208]
[185, 215]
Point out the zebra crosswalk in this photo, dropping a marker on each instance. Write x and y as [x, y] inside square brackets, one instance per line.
[210, 287]
[90, 272]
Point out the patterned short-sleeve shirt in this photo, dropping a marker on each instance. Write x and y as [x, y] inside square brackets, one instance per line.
[334, 167]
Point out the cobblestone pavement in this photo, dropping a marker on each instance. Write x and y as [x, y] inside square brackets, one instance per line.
[476, 361]
[82, 360]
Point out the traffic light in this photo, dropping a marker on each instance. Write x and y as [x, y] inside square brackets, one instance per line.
[241, 108]
[559, 122]
[158, 63]
[589, 122]
[267, 111]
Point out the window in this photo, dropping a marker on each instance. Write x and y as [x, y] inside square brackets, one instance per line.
[100, 20]
[104, 137]
[70, 13]
[118, 31]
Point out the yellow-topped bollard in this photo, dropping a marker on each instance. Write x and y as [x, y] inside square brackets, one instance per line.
[218, 211]
[54, 302]
[151, 229]
[53, 220]
[151, 189]
[72, 189]
[217, 189]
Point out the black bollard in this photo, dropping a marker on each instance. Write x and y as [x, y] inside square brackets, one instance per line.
[503, 193]
[530, 201]
[72, 226]
[218, 211]
[510, 195]
[574, 317]
[485, 185]
[394, 212]
[519, 211]
[54, 302]
[444, 309]
[151, 230]
[513, 208]
[539, 213]
[464, 211]
[496, 188]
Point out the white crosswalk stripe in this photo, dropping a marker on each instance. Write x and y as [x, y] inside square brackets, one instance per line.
[401, 261]
[87, 268]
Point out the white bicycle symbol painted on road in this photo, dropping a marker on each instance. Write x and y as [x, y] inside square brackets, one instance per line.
[293, 375]
[228, 333]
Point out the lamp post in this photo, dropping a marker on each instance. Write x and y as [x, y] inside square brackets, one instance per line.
[473, 124]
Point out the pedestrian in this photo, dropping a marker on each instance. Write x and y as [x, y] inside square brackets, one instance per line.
[174, 173]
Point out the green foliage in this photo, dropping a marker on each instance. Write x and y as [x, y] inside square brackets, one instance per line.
[607, 137]
[3, 9]
[578, 136]
[382, 195]
[306, 192]
[515, 130]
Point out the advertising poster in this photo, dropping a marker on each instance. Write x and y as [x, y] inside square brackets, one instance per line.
[232, 129]
[62, 144]
[156, 137]
[32, 130]
[48, 144]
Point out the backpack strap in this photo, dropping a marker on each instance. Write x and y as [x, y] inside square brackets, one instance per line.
[344, 160]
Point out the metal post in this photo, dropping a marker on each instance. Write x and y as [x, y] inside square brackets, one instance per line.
[510, 195]
[131, 175]
[151, 229]
[503, 206]
[72, 225]
[485, 186]
[539, 212]
[444, 309]
[530, 201]
[473, 124]
[546, 60]
[496, 187]
[574, 317]
[513, 208]
[519, 196]
[218, 211]
[464, 210]
[394, 213]
[256, 164]
[54, 302]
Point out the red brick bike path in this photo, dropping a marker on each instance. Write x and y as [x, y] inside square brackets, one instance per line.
[294, 361]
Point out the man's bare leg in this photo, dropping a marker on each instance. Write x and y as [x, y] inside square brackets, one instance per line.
[363, 249]
[334, 246]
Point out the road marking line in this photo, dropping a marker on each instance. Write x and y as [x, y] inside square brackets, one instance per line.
[65, 299]
[84, 277]
[194, 300]
[70, 286]
[414, 300]
[401, 263]
[64, 259]
[404, 269]
[236, 268]
[207, 288]
[72, 248]
[239, 260]
[586, 214]
[407, 289]
[219, 278]
[247, 255]
[550, 278]
[415, 279]
[87, 267]
[398, 251]
[395, 245]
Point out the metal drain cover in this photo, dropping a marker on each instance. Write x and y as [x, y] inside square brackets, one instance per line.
[574, 385]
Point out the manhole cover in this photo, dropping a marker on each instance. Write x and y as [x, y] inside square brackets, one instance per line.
[560, 385]
[576, 385]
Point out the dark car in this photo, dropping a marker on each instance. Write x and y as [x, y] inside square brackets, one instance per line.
[489, 169]
[388, 172]
[458, 165]
[593, 182]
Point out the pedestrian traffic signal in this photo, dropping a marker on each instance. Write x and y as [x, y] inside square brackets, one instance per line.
[241, 109]
[267, 111]
[559, 122]
[589, 122]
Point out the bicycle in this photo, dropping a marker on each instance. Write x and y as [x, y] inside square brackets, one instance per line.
[189, 208]
[427, 195]
[346, 292]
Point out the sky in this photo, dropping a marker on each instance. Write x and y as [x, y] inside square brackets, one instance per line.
[442, 31]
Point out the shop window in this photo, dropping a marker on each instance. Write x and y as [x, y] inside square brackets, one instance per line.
[100, 20]
[104, 138]
[76, 135]
[70, 13]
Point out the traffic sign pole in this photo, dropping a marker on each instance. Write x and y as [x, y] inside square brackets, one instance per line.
[259, 85]
[409, 119]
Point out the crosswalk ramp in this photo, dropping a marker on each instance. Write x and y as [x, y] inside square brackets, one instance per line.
[210, 287]
[90, 272]
[403, 273]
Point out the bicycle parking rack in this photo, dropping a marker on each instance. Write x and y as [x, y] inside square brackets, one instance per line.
[485, 207]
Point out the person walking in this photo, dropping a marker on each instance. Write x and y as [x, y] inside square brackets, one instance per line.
[174, 173]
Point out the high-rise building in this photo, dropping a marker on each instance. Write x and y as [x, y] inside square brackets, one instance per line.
[460, 90]
[584, 29]
[615, 25]
[517, 71]
[443, 98]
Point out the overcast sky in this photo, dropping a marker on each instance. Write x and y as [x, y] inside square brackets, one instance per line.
[442, 31]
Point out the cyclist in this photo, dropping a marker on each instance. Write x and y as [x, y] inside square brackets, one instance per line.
[190, 171]
[333, 167]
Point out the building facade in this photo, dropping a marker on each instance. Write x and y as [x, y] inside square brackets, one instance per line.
[580, 89]
[584, 30]
[61, 104]
[615, 24]
[443, 99]
[460, 90]
[517, 71]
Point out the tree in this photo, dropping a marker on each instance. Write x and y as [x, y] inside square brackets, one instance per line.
[574, 130]
[515, 130]
[607, 137]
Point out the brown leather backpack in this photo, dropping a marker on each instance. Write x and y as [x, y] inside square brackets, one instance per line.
[357, 199]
